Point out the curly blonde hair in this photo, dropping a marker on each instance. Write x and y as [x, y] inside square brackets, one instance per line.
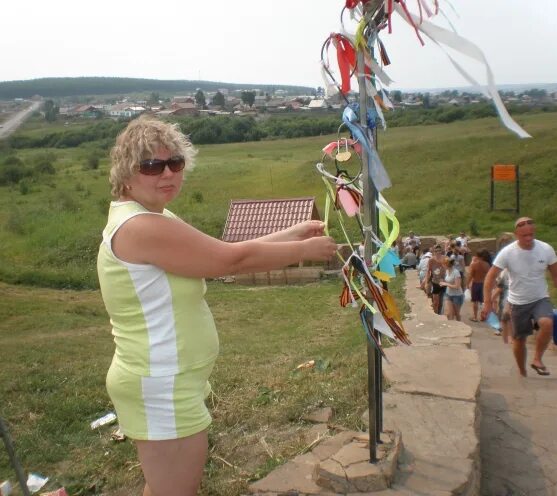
[139, 141]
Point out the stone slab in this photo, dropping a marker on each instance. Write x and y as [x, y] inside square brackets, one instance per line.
[294, 476]
[432, 426]
[449, 371]
[349, 470]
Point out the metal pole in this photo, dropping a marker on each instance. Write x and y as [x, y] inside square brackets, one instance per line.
[370, 219]
[4, 434]
[517, 187]
[492, 191]
[378, 357]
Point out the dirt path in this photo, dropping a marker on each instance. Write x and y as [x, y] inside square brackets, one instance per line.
[14, 121]
[518, 434]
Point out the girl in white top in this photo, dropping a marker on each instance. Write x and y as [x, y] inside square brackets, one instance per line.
[454, 296]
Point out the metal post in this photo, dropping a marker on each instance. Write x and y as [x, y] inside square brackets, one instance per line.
[4, 434]
[492, 191]
[517, 187]
[370, 219]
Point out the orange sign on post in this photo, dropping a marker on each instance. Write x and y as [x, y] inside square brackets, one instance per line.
[504, 172]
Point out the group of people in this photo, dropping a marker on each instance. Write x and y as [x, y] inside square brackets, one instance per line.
[151, 267]
[512, 286]
[441, 270]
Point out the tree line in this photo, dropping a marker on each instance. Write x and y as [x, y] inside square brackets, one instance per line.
[233, 129]
[62, 87]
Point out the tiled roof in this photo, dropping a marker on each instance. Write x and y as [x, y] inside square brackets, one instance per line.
[249, 219]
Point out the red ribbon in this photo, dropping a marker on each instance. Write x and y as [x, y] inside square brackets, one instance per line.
[346, 57]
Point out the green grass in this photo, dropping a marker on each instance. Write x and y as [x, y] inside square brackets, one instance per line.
[57, 347]
[440, 178]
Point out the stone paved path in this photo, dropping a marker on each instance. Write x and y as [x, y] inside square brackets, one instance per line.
[518, 435]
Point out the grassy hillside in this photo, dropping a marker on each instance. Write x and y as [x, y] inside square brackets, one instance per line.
[57, 347]
[440, 174]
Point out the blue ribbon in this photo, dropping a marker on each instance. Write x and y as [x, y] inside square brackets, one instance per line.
[377, 173]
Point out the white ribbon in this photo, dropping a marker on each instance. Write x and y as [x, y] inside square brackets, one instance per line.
[442, 36]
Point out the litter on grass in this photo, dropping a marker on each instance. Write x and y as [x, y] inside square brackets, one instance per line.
[106, 419]
[35, 482]
[117, 435]
[306, 365]
[6, 488]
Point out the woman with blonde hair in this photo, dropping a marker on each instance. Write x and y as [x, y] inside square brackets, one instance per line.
[151, 267]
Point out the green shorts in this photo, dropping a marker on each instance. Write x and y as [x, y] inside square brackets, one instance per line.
[158, 408]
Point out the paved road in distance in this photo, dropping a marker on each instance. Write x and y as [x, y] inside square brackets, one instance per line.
[10, 125]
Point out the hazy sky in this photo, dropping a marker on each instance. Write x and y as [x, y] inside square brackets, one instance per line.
[269, 41]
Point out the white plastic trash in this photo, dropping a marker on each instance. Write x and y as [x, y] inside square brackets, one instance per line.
[467, 295]
[107, 419]
[35, 482]
[6, 488]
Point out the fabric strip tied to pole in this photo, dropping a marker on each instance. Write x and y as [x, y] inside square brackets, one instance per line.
[445, 37]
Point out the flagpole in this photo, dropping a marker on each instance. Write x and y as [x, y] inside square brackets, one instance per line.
[370, 220]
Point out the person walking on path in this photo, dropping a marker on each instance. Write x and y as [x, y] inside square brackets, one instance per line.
[435, 274]
[454, 296]
[478, 270]
[526, 261]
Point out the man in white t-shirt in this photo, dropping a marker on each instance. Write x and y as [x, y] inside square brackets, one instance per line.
[526, 261]
[463, 239]
[412, 242]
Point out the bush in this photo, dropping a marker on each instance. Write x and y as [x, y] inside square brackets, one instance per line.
[12, 160]
[45, 167]
[92, 162]
[23, 187]
[12, 174]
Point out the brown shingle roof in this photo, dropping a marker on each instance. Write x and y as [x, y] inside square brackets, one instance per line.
[249, 219]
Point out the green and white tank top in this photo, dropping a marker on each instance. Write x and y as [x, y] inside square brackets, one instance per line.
[160, 321]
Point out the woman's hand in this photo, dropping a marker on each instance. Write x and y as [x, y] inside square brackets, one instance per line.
[297, 232]
[319, 248]
[305, 230]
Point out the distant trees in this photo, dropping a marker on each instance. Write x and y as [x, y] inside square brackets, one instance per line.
[248, 97]
[64, 87]
[218, 99]
[200, 98]
[154, 99]
[535, 93]
[103, 132]
[50, 110]
[396, 96]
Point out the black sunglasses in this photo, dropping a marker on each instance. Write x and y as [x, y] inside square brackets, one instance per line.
[524, 223]
[155, 166]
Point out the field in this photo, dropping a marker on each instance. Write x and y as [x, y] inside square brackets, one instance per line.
[49, 236]
[56, 349]
[56, 344]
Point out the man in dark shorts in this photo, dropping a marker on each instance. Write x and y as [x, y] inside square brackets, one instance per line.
[476, 276]
[526, 260]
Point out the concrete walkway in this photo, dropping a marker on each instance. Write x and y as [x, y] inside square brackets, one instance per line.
[518, 432]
